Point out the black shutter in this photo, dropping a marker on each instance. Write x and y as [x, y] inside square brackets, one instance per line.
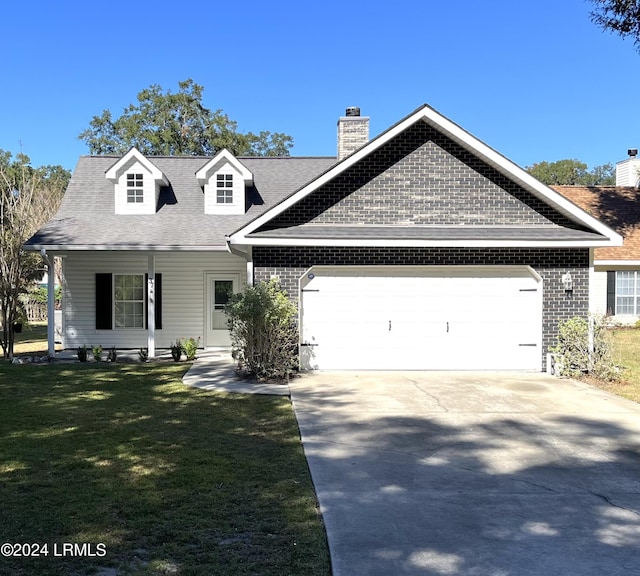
[158, 301]
[611, 292]
[104, 302]
[158, 307]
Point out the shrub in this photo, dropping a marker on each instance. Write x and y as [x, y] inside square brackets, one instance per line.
[574, 351]
[190, 348]
[112, 355]
[176, 350]
[264, 332]
[97, 353]
[82, 353]
[143, 354]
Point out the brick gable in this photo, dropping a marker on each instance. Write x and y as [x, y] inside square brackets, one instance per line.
[421, 177]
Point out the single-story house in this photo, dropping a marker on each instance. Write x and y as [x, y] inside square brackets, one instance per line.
[615, 280]
[422, 248]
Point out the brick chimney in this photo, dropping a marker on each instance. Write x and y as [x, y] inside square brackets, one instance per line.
[628, 171]
[353, 132]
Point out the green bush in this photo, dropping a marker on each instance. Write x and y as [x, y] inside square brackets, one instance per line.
[574, 350]
[190, 348]
[264, 332]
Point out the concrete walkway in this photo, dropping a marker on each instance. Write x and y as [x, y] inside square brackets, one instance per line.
[214, 369]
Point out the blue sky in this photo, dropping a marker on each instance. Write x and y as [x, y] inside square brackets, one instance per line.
[534, 80]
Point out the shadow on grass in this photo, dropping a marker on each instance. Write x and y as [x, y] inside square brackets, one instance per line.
[169, 479]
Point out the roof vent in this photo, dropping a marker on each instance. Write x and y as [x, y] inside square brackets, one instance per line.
[633, 152]
[352, 111]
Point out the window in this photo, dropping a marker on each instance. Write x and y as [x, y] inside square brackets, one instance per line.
[224, 188]
[223, 290]
[628, 292]
[128, 297]
[135, 189]
[108, 309]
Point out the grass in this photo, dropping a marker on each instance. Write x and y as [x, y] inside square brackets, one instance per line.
[170, 480]
[32, 339]
[626, 354]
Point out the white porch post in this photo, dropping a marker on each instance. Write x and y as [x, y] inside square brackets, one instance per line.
[51, 305]
[151, 306]
[250, 266]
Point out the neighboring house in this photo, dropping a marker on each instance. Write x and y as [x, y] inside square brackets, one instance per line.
[420, 249]
[615, 280]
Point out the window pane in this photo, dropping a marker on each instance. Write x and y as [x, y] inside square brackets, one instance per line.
[129, 300]
[624, 305]
[223, 292]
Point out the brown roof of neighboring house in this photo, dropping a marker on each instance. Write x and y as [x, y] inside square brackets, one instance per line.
[617, 207]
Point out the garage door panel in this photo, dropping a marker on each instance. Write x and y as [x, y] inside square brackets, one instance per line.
[472, 319]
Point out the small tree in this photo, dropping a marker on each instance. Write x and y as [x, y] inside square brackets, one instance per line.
[264, 333]
[582, 349]
[28, 198]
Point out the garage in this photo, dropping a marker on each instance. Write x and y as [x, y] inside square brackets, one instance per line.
[421, 318]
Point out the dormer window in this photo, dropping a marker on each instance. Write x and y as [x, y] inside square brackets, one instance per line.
[137, 182]
[224, 180]
[135, 189]
[224, 188]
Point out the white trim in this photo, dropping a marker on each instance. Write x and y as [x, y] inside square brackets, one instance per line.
[463, 138]
[124, 247]
[113, 301]
[623, 263]
[377, 242]
[134, 154]
[213, 165]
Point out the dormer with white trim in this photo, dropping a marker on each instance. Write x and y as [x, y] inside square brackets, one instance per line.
[225, 181]
[137, 184]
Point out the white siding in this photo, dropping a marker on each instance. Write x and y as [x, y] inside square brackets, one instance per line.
[183, 294]
[628, 172]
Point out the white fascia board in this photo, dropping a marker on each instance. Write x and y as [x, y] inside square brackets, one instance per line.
[222, 157]
[506, 166]
[135, 155]
[412, 243]
[467, 141]
[621, 263]
[123, 248]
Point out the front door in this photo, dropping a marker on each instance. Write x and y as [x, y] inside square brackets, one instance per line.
[220, 288]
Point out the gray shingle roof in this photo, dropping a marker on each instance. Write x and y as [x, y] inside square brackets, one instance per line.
[86, 217]
[428, 233]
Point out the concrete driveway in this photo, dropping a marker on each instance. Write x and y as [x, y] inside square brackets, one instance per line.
[475, 474]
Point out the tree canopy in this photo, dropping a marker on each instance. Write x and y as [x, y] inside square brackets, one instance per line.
[177, 124]
[572, 172]
[619, 16]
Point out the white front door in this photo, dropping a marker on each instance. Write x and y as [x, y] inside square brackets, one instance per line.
[220, 288]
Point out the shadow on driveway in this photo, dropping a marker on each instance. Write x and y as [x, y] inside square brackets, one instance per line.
[472, 474]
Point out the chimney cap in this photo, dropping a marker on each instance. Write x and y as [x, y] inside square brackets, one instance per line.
[352, 111]
[633, 152]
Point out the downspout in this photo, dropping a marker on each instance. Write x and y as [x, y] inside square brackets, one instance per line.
[51, 302]
[248, 256]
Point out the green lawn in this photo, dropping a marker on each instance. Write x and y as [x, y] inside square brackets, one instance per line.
[170, 480]
[627, 354]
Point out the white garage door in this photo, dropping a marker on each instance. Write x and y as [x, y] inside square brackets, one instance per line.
[431, 318]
